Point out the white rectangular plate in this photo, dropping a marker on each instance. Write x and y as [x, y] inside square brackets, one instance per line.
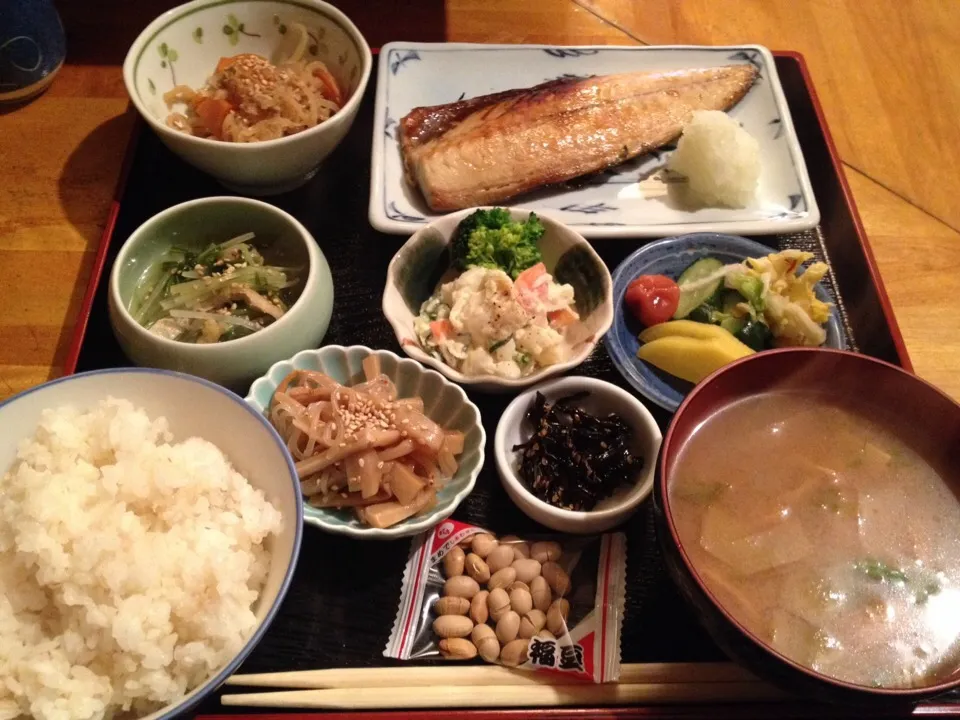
[626, 201]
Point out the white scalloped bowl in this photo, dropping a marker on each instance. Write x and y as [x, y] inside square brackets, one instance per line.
[421, 262]
[443, 402]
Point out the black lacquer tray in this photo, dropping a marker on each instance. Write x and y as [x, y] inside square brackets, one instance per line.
[343, 600]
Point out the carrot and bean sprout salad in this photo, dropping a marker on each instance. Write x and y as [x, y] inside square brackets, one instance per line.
[249, 99]
[362, 447]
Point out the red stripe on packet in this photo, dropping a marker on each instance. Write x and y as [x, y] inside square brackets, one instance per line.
[416, 583]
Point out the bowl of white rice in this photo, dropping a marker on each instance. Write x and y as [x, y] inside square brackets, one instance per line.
[149, 530]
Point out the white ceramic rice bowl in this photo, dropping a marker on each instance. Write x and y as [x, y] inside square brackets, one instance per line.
[194, 407]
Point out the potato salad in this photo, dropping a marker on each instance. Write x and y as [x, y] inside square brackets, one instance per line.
[484, 323]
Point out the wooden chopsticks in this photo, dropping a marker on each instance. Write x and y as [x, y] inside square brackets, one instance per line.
[479, 686]
[414, 676]
[487, 696]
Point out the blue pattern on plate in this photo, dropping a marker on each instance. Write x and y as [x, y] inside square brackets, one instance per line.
[778, 132]
[394, 213]
[671, 257]
[592, 209]
[570, 52]
[750, 56]
[398, 59]
[389, 127]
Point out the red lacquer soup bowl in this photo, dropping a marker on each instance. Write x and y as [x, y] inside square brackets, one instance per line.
[915, 413]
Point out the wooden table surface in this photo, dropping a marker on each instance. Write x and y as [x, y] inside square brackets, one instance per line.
[884, 70]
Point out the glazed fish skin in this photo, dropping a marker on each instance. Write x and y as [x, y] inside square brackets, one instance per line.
[491, 148]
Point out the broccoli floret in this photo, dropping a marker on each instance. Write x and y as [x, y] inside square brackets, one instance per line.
[489, 238]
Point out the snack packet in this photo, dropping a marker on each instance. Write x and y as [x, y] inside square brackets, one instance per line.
[544, 603]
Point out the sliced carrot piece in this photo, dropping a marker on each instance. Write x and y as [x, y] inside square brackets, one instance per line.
[528, 276]
[528, 292]
[226, 62]
[331, 91]
[213, 112]
[441, 329]
[561, 318]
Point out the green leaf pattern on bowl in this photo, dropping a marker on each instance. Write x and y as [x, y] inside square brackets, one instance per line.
[233, 29]
[168, 56]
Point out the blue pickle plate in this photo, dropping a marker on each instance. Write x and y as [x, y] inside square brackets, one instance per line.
[670, 257]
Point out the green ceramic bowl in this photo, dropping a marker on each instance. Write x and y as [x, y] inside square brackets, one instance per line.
[234, 363]
[443, 402]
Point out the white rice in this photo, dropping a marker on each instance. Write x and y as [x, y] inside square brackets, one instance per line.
[129, 565]
[720, 159]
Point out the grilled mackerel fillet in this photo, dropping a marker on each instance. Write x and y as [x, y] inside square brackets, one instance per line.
[491, 148]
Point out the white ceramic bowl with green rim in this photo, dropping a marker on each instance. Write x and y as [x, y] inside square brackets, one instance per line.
[235, 363]
[443, 402]
[424, 261]
[183, 46]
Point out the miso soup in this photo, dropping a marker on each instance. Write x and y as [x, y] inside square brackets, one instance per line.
[825, 536]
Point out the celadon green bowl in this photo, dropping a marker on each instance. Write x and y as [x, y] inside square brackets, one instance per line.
[443, 402]
[196, 223]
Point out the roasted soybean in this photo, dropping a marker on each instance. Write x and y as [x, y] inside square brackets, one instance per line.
[461, 586]
[453, 562]
[477, 568]
[514, 653]
[500, 558]
[478, 607]
[497, 596]
[452, 605]
[457, 649]
[483, 544]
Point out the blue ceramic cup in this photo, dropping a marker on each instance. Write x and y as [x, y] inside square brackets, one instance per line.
[32, 48]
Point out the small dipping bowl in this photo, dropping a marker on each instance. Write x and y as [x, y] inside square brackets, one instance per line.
[930, 425]
[233, 363]
[603, 399]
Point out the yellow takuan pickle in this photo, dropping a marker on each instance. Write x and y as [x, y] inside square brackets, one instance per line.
[690, 350]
